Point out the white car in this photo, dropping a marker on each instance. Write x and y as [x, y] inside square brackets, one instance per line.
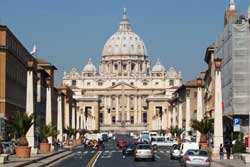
[162, 141]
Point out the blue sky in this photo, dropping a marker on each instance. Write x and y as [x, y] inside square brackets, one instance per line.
[68, 32]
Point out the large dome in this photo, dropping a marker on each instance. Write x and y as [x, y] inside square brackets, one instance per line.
[124, 42]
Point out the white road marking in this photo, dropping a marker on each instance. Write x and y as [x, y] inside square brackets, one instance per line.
[99, 153]
[92, 152]
[161, 152]
[85, 152]
[157, 156]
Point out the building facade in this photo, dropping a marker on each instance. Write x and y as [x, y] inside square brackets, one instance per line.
[126, 93]
[233, 47]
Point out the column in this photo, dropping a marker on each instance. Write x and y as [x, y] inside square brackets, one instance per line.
[128, 108]
[117, 109]
[180, 115]
[188, 128]
[199, 110]
[109, 114]
[135, 110]
[59, 118]
[49, 106]
[66, 114]
[73, 121]
[218, 115]
[174, 116]
[30, 106]
[78, 119]
[139, 110]
[169, 118]
[105, 113]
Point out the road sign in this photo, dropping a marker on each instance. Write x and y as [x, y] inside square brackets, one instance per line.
[236, 124]
[236, 121]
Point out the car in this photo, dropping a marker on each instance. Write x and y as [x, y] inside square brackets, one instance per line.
[175, 151]
[121, 144]
[188, 145]
[196, 157]
[144, 151]
[105, 137]
[129, 149]
[162, 141]
[8, 147]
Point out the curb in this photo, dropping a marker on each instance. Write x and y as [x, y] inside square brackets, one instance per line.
[39, 159]
[223, 164]
[54, 160]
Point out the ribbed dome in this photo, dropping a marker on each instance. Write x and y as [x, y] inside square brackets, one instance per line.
[124, 42]
[90, 67]
[158, 67]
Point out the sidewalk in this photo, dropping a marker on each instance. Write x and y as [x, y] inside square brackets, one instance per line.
[44, 158]
[229, 163]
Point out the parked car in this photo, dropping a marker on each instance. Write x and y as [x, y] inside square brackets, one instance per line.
[129, 149]
[196, 158]
[8, 147]
[121, 144]
[188, 145]
[162, 141]
[144, 151]
[175, 151]
[105, 137]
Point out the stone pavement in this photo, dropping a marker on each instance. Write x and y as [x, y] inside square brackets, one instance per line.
[229, 163]
[37, 160]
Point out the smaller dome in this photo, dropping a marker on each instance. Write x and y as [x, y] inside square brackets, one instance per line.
[90, 67]
[158, 67]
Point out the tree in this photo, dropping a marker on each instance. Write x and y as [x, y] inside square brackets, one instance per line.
[47, 131]
[21, 122]
[204, 127]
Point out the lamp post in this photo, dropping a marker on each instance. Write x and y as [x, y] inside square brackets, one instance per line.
[218, 117]
[86, 118]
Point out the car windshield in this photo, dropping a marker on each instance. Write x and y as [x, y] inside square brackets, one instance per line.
[130, 145]
[161, 139]
[144, 146]
[197, 153]
[177, 146]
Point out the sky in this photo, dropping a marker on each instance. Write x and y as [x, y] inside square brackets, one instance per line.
[68, 32]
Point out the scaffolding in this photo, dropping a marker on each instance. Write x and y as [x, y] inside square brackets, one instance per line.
[233, 47]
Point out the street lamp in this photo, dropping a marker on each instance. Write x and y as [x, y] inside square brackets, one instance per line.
[217, 63]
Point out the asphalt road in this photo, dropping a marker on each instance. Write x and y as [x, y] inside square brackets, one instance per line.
[112, 156]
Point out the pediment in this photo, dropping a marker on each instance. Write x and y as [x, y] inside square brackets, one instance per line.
[123, 85]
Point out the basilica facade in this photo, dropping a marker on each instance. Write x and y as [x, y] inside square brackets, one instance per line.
[125, 93]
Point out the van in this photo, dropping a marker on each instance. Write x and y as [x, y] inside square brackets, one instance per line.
[187, 146]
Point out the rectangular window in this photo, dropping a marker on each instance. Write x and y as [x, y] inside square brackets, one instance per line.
[113, 120]
[99, 83]
[101, 117]
[73, 82]
[113, 83]
[132, 119]
[88, 83]
[144, 117]
[157, 83]
[145, 83]
[171, 82]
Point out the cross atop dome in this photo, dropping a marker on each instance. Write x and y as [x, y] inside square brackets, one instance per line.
[232, 5]
[124, 23]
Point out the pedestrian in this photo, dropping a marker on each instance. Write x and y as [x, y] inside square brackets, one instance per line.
[221, 152]
[228, 150]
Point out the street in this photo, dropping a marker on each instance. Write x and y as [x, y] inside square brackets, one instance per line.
[112, 156]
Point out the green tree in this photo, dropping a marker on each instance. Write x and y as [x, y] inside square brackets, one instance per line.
[21, 122]
[204, 127]
[47, 131]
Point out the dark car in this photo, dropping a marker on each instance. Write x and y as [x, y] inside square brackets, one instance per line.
[105, 137]
[129, 149]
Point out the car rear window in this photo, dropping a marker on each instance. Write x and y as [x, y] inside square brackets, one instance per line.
[144, 146]
[197, 153]
[177, 146]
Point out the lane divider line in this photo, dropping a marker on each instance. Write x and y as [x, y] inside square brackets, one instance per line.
[157, 156]
[93, 159]
[99, 153]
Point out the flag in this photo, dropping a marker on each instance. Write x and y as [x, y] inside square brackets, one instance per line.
[33, 50]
